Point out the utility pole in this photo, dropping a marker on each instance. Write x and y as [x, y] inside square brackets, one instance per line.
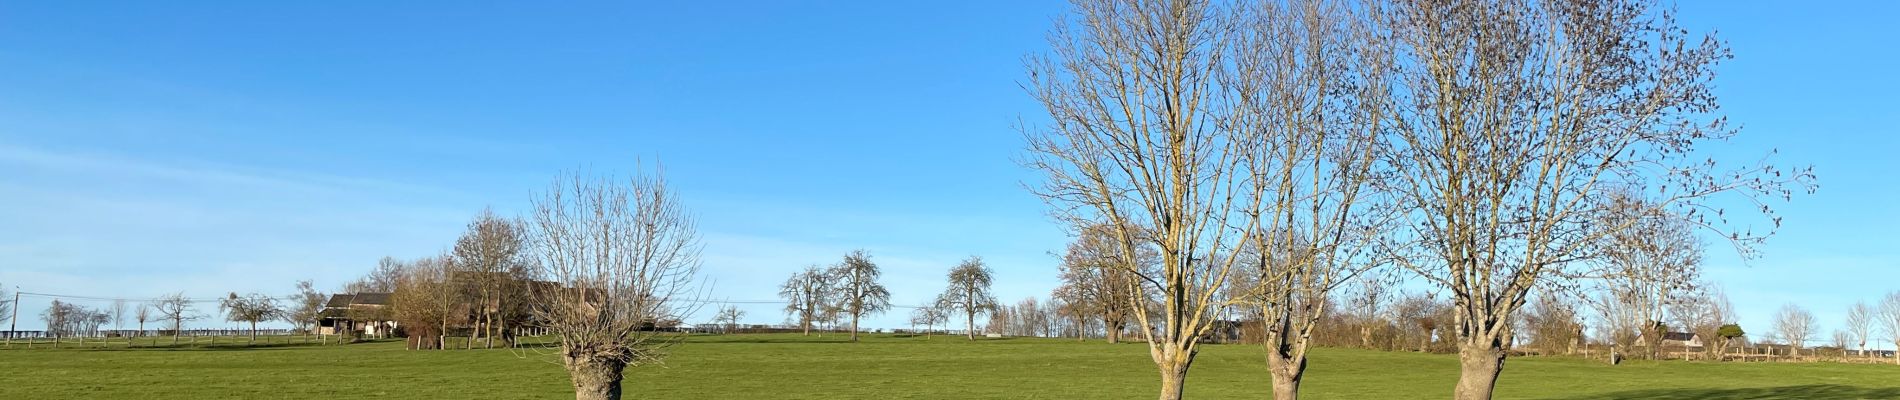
[15, 325]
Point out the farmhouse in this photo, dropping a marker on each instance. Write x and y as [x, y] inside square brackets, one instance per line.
[1677, 340]
[360, 313]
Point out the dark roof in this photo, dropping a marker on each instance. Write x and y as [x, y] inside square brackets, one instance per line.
[1679, 336]
[333, 313]
[344, 300]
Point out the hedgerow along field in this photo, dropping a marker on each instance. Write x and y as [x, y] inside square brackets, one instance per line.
[790, 366]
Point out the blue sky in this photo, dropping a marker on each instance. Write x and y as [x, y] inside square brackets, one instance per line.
[210, 147]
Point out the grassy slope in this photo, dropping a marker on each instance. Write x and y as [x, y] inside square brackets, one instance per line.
[794, 367]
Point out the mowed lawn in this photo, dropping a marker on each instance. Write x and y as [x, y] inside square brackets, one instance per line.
[881, 367]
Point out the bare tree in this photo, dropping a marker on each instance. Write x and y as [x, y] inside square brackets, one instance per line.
[1102, 279]
[859, 293]
[1704, 312]
[1136, 143]
[252, 308]
[1554, 325]
[117, 313]
[380, 280]
[728, 318]
[969, 292]
[175, 309]
[1517, 118]
[143, 314]
[806, 295]
[622, 255]
[1794, 326]
[6, 312]
[306, 307]
[489, 257]
[1889, 319]
[1644, 269]
[425, 302]
[58, 320]
[1860, 324]
[928, 316]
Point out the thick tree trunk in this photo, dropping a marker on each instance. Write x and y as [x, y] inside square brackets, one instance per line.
[1173, 365]
[1114, 334]
[253, 334]
[1480, 365]
[1287, 373]
[969, 324]
[595, 378]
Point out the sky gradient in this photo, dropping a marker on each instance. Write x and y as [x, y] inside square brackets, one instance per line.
[210, 147]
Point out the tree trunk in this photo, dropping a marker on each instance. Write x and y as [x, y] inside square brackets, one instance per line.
[253, 334]
[1480, 365]
[1286, 374]
[595, 377]
[1114, 333]
[1173, 365]
[854, 328]
[969, 324]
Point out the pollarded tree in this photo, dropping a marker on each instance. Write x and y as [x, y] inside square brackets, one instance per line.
[252, 308]
[143, 314]
[1138, 141]
[1727, 335]
[1794, 326]
[1516, 119]
[621, 257]
[859, 293]
[969, 292]
[806, 294]
[1310, 101]
[1860, 323]
[424, 302]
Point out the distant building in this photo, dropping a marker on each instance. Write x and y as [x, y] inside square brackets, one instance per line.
[361, 313]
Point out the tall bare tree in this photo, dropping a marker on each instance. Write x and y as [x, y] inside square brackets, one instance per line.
[1102, 279]
[1516, 118]
[426, 301]
[1645, 268]
[1309, 98]
[117, 313]
[490, 264]
[1889, 320]
[252, 308]
[1135, 143]
[622, 254]
[859, 293]
[806, 295]
[306, 307]
[969, 292]
[175, 309]
[380, 280]
[1860, 324]
[1794, 326]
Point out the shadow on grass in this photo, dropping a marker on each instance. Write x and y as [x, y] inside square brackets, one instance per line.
[1782, 392]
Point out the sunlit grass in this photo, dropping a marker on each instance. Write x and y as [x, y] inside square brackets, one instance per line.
[881, 367]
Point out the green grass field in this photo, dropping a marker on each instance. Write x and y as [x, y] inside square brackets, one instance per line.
[882, 367]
